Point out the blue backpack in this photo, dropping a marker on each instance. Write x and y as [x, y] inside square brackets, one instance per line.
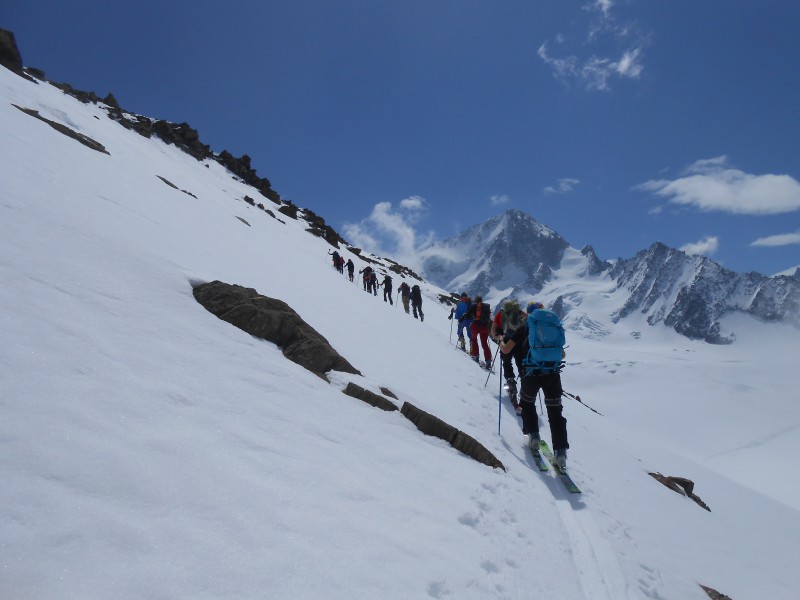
[546, 343]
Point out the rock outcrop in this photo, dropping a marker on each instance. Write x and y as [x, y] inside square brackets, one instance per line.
[275, 321]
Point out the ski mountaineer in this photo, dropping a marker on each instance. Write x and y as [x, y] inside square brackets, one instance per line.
[416, 302]
[335, 255]
[481, 315]
[351, 267]
[535, 379]
[373, 283]
[405, 294]
[387, 289]
[506, 321]
[461, 309]
[367, 271]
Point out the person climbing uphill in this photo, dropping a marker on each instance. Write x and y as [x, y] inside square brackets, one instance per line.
[416, 302]
[481, 315]
[542, 364]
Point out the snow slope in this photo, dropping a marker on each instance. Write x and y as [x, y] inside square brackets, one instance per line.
[150, 450]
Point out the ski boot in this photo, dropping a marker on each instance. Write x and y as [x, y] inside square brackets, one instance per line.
[561, 459]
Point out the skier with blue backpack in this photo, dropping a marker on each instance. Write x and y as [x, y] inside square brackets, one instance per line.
[541, 339]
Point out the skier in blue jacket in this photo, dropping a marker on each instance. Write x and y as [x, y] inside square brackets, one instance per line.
[461, 309]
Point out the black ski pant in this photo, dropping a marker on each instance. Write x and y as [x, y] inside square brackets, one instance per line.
[508, 366]
[550, 384]
[387, 293]
[417, 308]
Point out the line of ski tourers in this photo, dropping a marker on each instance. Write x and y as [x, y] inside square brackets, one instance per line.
[411, 296]
[533, 339]
[545, 343]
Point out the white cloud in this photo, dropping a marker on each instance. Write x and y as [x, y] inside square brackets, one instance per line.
[604, 6]
[629, 65]
[783, 239]
[391, 233]
[413, 203]
[590, 69]
[711, 185]
[499, 200]
[562, 186]
[708, 246]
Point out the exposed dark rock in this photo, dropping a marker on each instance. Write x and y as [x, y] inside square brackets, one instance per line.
[111, 101]
[242, 169]
[168, 182]
[595, 264]
[371, 398]
[319, 228]
[680, 485]
[714, 594]
[37, 73]
[387, 392]
[359, 254]
[182, 136]
[558, 307]
[10, 56]
[275, 321]
[244, 221]
[450, 299]
[290, 210]
[396, 267]
[434, 426]
[70, 133]
[249, 200]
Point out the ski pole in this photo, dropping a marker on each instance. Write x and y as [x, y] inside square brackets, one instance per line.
[578, 398]
[493, 361]
[452, 310]
[500, 399]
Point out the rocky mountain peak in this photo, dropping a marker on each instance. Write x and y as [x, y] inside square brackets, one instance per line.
[510, 252]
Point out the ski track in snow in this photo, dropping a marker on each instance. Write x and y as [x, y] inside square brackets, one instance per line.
[595, 560]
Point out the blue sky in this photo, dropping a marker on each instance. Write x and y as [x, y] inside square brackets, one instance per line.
[617, 123]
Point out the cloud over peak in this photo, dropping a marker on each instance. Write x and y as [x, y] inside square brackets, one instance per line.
[708, 246]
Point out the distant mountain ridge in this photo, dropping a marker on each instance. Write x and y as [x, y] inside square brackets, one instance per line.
[513, 255]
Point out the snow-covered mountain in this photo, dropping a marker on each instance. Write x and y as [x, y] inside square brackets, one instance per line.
[510, 254]
[513, 255]
[149, 449]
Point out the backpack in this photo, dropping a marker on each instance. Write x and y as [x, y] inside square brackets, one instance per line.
[483, 313]
[512, 316]
[546, 343]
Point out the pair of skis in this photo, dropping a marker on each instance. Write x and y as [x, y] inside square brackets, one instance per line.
[544, 452]
[481, 364]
